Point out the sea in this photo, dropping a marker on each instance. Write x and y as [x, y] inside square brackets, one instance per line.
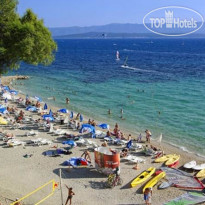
[162, 89]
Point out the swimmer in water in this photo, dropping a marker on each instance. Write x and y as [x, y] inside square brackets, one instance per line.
[109, 112]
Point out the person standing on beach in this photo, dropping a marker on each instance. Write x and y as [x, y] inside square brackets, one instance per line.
[121, 111]
[147, 196]
[70, 195]
[109, 112]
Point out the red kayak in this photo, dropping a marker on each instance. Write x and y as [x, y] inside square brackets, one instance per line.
[174, 164]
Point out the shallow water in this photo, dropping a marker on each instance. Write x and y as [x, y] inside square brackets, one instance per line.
[163, 90]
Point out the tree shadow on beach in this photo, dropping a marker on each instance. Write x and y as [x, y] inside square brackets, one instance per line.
[78, 173]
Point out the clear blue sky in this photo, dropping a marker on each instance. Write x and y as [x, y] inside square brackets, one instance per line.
[64, 13]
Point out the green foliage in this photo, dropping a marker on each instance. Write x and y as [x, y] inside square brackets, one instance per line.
[23, 38]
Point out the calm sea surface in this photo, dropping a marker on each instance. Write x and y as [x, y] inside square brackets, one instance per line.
[163, 89]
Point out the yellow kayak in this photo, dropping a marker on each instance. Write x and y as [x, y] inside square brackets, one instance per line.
[143, 176]
[154, 180]
[172, 160]
[164, 158]
[3, 121]
[201, 173]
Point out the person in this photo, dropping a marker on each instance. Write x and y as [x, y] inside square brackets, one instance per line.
[109, 112]
[54, 99]
[147, 196]
[124, 152]
[136, 167]
[86, 156]
[67, 100]
[129, 137]
[148, 135]
[139, 139]
[104, 144]
[70, 195]
[121, 111]
[116, 129]
[77, 116]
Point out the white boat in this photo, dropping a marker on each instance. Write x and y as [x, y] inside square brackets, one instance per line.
[118, 55]
[190, 165]
[199, 167]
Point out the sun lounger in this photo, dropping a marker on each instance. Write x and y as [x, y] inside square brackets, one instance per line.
[14, 142]
[134, 159]
[31, 133]
[99, 134]
[40, 141]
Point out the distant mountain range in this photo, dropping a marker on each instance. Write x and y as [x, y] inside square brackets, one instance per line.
[111, 30]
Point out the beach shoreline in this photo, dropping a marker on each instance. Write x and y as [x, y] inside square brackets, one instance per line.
[8, 80]
[28, 174]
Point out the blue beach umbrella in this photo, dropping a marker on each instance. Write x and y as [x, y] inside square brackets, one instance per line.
[71, 114]
[45, 107]
[88, 128]
[31, 108]
[104, 126]
[63, 110]
[48, 117]
[81, 118]
[13, 92]
[69, 142]
[129, 144]
[2, 110]
[6, 88]
[50, 113]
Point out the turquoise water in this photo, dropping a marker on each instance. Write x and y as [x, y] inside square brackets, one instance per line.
[162, 91]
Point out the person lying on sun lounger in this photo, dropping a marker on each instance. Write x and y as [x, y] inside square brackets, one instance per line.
[124, 152]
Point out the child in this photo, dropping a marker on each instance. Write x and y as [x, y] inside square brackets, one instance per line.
[147, 196]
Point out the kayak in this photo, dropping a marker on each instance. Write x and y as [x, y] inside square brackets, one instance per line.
[143, 176]
[154, 180]
[199, 167]
[164, 158]
[172, 160]
[201, 173]
[174, 164]
[190, 165]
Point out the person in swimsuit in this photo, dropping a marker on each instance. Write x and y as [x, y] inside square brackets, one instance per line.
[147, 196]
[70, 195]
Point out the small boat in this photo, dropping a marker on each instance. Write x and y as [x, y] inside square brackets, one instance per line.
[199, 167]
[201, 173]
[190, 165]
[118, 55]
[174, 164]
[172, 160]
[125, 63]
[164, 158]
[143, 176]
[154, 180]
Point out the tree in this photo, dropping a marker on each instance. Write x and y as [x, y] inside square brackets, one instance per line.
[23, 38]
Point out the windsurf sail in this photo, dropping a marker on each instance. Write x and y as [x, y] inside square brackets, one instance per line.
[125, 63]
[182, 179]
[117, 55]
[188, 198]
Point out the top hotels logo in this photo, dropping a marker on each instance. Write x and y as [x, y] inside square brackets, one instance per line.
[173, 21]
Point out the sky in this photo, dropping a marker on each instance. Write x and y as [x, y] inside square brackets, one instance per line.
[66, 13]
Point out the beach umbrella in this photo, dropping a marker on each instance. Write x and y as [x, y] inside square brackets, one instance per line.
[129, 144]
[6, 88]
[45, 107]
[63, 110]
[50, 113]
[31, 108]
[3, 110]
[69, 142]
[104, 126]
[38, 98]
[89, 129]
[13, 92]
[48, 117]
[81, 118]
[71, 114]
